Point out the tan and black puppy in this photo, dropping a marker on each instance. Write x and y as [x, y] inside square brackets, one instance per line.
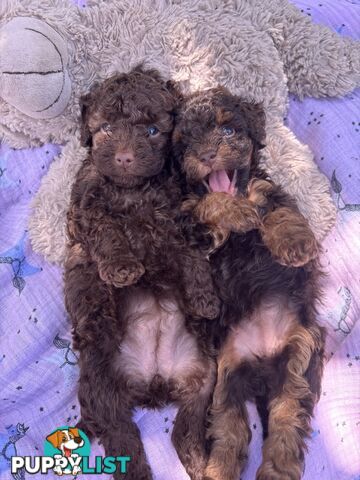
[135, 290]
[265, 268]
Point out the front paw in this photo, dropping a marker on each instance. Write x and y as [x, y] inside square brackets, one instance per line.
[189, 204]
[214, 208]
[258, 191]
[205, 306]
[121, 274]
[296, 252]
[291, 243]
[229, 213]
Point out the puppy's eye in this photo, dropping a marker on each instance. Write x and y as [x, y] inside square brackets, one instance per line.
[106, 128]
[227, 131]
[152, 130]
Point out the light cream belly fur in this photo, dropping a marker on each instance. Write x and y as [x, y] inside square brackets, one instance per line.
[263, 334]
[156, 341]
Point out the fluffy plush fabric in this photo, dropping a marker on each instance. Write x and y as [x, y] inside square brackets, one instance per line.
[257, 53]
[39, 91]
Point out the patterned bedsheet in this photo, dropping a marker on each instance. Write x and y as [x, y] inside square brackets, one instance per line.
[38, 368]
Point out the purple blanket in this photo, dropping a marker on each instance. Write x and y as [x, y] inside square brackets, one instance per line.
[38, 368]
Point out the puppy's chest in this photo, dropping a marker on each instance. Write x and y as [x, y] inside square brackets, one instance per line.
[142, 209]
[156, 341]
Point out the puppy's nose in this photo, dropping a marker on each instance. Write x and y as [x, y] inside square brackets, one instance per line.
[124, 158]
[208, 156]
[78, 440]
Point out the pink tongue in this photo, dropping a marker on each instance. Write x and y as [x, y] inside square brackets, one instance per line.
[219, 181]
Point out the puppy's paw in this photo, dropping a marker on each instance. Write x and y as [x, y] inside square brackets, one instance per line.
[258, 190]
[288, 237]
[189, 205]
[218, 472]
[271, 475]
[271, 470]
[121, 275]
[205, 305]
[226, 212]
[296, 252]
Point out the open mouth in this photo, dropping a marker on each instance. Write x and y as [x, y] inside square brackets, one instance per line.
[67, 452]
[222, 181]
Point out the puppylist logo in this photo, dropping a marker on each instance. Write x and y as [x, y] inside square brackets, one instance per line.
[67, 452]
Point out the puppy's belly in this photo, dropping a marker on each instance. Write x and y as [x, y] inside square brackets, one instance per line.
[263, 334]
[156, 341]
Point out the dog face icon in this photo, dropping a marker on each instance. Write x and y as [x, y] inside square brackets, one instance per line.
[66, 441]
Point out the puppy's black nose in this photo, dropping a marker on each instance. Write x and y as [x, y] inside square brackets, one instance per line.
[124, 158]
[208, 156]
[78, 440]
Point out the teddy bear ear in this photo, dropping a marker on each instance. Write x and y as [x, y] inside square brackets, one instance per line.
[86, 138]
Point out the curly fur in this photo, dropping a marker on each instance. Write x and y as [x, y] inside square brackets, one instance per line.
[271, 347]
[135, 291]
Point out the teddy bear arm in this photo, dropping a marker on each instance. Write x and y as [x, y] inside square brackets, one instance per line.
[317, 61]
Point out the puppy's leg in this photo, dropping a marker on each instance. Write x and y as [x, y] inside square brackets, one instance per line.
[290, 412]
[89, 301]
[200, 295]
[111, 250]
[104, 398]
[106, 412]
[289, 238]
[125, 440]
[189, 433]
[284, 230]
[229, 429]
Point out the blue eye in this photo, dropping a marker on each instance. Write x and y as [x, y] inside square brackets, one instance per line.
[106, 127]
[152, 131]
[227, 131]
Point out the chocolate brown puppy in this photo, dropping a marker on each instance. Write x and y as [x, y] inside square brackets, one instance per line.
[136, 291]
[271, 347]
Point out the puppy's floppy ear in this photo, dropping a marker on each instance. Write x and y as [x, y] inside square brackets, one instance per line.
[177, 150]
[173, 88]
[255, 120]
[86, 139]
[55, 438]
